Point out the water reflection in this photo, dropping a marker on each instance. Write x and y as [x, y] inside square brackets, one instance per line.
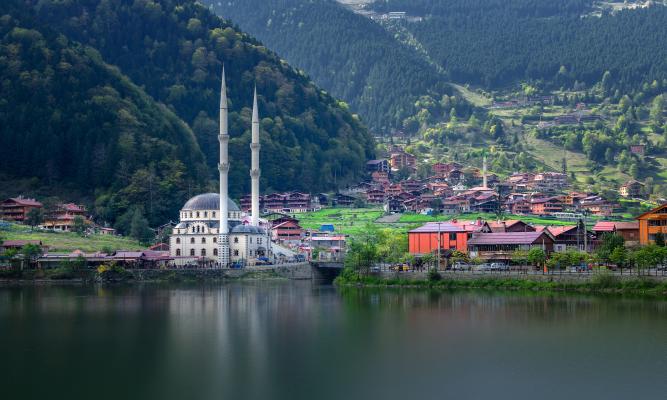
[298, 341]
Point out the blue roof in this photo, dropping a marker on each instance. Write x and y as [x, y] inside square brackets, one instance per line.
[327, 228]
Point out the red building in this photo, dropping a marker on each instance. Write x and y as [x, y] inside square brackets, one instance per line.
[628, 230]
[546, 206]
[62, 219]
[289, 230]
[424, 240]
[17, 209]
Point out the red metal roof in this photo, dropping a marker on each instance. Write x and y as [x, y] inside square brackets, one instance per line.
[25, 202]
[610, 226]
[506, 238]
[432, 227]
[559, 230]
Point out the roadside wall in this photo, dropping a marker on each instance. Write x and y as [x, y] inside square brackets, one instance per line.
[566, 278]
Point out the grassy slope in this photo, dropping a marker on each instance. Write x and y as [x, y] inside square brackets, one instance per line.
[349, 221]
[67, 242]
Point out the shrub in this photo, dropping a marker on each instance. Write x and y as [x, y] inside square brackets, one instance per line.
[605, 280]
[434, 276]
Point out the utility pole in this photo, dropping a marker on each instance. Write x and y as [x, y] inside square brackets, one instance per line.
[439, 246]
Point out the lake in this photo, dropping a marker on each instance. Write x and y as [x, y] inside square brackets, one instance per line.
[297, 340]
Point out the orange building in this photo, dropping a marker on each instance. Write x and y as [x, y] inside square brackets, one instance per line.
[424, 240]
[652, 222]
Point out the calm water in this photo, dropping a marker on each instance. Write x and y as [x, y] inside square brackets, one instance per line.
[298, 341]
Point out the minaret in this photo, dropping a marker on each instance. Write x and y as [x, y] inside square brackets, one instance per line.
[254, 168]
[223, 168]
[484, 180]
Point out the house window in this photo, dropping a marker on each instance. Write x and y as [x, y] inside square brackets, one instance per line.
[215, 239]
[215, 252]
[213, 214]
[452, 236]
[203, 252]
[197, 214]
[236, 252]
[236, 240]
[205, 214]
[178, 240]
[203, 240]
[250, 253]
[178, 252]
[251, 239]
[192, 252]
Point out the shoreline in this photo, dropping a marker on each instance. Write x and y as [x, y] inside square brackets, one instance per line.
[601, 284]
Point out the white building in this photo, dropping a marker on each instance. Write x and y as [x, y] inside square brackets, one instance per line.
[214, 231]
[196, 235]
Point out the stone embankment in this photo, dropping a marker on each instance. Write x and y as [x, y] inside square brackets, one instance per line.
[535, 277]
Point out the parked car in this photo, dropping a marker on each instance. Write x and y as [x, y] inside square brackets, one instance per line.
[483, 267]
[499, 267]
[459, 266]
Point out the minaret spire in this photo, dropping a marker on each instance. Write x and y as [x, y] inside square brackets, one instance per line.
[254, 168]
[223, 169]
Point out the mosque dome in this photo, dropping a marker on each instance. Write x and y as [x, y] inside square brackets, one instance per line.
[208, 201]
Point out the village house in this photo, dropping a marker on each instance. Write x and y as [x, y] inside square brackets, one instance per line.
[546, 205]
[652, 222]
[375, 196]
[501, 246]
[628, 230]
[342, 200]
[380, 177]
[550, 181]
[514, 225]
[572, 238]
[433, 235]
[377, 166]
[631, 189]
[17, 208]
[286, 230]
[62, 218]
[401, 159]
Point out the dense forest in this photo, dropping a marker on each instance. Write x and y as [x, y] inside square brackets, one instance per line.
[81, 86]
[496, 43]
[347, 54]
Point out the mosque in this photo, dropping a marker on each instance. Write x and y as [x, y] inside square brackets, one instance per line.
[217, 231]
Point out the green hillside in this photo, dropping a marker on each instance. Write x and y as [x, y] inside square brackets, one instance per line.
[347, 54]
[114, 103]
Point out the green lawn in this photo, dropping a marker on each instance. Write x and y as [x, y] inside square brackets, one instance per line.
[67, 242]
[349, 221]
[418, 218]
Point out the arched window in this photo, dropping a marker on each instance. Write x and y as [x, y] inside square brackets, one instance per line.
[205, 214]
[203, 252]
[178, 252]
[236, 240]
[213, 214]
[197, 214]
[215, 239]
[192, 240]
[203, 240]
[192, 252]
[178, 240]
[190, 214]
[215, 252]
[193, 229]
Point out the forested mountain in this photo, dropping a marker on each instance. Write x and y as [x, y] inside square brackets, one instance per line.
[68, 118]
[497, 43]
[349, 55]
[174, 51]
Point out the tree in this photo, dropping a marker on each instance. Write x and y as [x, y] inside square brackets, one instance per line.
[519, 257]
[139, 228]
[536, 256]
[79, 226]
[31, 252]
[34, 217]
[610, 241]
[619, 256]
